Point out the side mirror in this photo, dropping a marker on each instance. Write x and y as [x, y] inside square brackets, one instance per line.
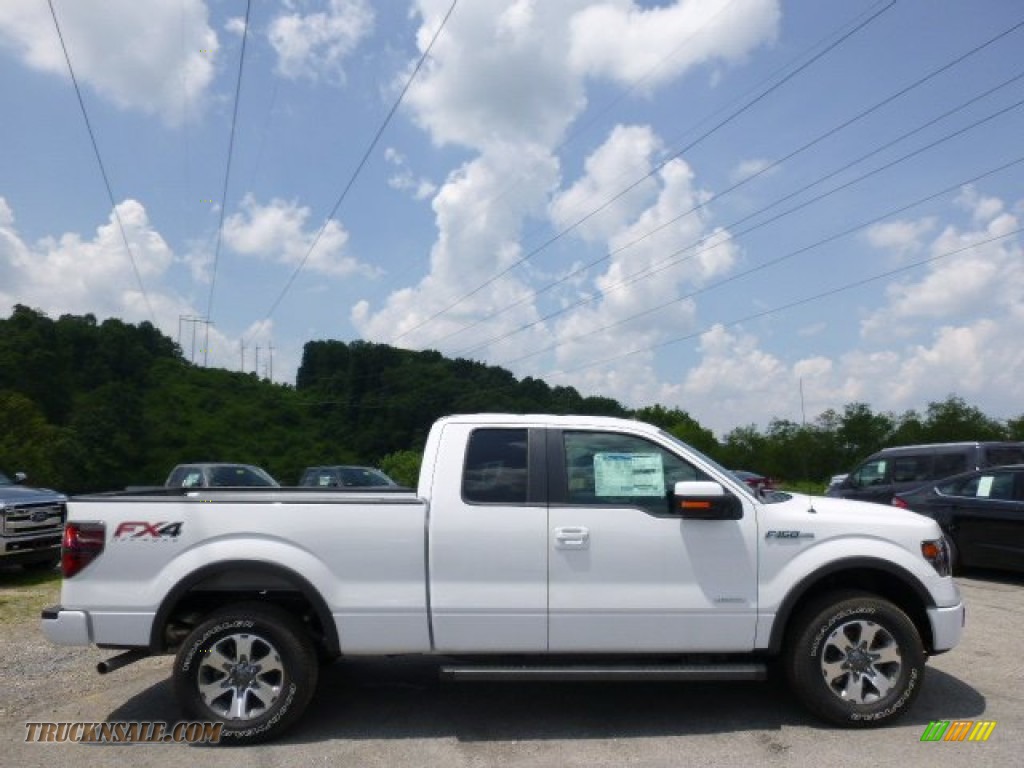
[20, 477]
[705, 500]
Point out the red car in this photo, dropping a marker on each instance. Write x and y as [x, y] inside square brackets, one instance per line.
[754, 481]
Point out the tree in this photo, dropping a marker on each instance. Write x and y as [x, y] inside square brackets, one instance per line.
[952, 420]
[27, 443]
[403, 467]
[862, 432]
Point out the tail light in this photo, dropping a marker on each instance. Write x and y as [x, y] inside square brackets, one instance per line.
[898, 502]
[83, 543]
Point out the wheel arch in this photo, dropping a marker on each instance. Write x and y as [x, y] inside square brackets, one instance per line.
[217, 584]
[866, 574]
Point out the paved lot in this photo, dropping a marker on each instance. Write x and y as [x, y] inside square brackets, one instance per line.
[397, 714]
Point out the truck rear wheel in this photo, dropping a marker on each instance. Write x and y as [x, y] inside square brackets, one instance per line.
[855, 660]
[252, 667]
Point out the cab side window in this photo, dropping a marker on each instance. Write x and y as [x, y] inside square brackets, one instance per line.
[608, 469]
[987, 485]
[495, 469]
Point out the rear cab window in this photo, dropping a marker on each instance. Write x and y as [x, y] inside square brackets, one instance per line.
[495, 471]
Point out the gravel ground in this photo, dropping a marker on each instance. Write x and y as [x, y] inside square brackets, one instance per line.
[396, 713]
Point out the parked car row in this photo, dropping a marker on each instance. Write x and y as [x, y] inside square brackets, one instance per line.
[973, 490]
[894, 470]
[226, 475]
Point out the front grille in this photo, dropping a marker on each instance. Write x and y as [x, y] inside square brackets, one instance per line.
[31, 519]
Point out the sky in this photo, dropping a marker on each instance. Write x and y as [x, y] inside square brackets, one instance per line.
[746, 209]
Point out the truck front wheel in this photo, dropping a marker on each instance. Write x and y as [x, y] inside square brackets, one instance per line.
[252, 667]
[855, 660]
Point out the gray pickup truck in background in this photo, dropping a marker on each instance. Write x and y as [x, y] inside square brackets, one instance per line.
[31, 523]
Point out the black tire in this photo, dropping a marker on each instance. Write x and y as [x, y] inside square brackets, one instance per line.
[273, 662]
[855, 660]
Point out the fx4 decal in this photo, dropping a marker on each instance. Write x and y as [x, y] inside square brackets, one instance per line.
[142, 531]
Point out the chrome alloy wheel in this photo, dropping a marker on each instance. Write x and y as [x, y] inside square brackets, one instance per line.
[861, 662]
[240, 677]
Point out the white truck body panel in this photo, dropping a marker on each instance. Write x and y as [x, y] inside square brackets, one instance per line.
[434, 573]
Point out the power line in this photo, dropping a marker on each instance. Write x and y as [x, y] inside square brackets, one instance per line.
[561, 233]
[770, 263]
[227, 176]
[362, 161]
[794, 304]
[103, 170]
[746, 180]
[674, 260]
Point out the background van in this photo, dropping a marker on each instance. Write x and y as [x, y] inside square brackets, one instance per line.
[894, 470]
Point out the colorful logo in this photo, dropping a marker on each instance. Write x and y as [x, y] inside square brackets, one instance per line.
[958, 730]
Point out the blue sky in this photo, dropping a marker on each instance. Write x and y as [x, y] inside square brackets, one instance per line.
[711, 205]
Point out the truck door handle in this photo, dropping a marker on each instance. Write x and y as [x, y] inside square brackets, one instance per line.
[572, 537]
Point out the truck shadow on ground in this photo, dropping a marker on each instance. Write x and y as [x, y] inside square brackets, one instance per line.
[404, 699]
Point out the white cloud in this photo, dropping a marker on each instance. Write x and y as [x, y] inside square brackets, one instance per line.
[476, 241]
[121, 49]
[505, 80]
[982, 208]
[315, 44]
[970, 277]
[900, 236]
[497, 73]
[74, 274]
[404, 180]
[628, 154]
[754, 167]
[623, 41]
[956, 328]
[277, 232]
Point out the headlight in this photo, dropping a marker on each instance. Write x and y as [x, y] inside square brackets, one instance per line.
[936, 552]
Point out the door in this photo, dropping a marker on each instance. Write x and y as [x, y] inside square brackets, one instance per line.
[988, 519]
[487, 557]
[625, 573]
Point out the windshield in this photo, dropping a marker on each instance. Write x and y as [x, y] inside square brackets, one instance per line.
[5, 480]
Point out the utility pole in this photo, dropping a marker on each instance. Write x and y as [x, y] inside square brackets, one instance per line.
[256, 367]
[271, 366]
[193, 320]
[803, 411]
[241, 348]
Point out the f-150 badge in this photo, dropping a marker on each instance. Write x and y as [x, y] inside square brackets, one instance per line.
[789, 535]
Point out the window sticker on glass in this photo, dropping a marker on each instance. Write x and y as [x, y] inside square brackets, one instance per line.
[628, 474]
[985, 486]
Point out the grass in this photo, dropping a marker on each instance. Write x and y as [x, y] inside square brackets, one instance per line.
[23, 594]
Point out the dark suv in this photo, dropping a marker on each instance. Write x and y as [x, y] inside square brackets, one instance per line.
[895, 470]
[31, 523]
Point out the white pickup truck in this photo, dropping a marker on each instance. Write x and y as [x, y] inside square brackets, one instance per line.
[538, 547]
